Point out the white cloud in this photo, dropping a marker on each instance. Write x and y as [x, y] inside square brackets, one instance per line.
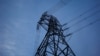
[8, 48]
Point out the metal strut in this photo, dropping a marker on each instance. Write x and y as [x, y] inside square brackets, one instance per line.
[53, 43]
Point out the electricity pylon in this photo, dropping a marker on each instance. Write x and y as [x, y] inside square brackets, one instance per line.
[54, 43]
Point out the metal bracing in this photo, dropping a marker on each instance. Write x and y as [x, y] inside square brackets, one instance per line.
[54, 43]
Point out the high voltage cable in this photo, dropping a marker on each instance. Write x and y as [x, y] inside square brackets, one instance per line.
[88, 17]
[82, 14]
[85, 12]
[82, 20]
[89, 24]
[58, 6]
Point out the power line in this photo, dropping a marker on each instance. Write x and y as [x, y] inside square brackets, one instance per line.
[88, 17]
[96, 6]
[85, 18]
[81, 20]
[58, 6]
[86, 25]
[89, 24]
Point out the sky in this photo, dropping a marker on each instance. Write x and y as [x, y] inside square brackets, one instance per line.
[18, 21]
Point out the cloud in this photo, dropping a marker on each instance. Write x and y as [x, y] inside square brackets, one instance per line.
[7, 49]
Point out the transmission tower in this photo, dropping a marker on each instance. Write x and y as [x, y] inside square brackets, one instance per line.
[54, 43]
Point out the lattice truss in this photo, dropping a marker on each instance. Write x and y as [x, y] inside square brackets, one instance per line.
[54, 43]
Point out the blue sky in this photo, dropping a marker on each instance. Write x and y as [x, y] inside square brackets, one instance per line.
[18, 20]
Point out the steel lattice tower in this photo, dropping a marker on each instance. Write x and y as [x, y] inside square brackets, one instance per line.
[54, 43]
